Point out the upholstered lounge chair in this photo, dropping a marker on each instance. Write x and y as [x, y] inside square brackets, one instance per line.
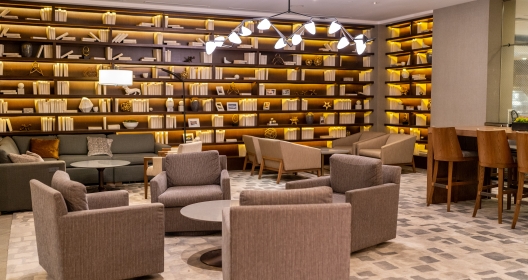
[350, 142]
[253, 154]
[392, 149]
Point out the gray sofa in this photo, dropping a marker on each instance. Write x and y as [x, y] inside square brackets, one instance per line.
[14, 190]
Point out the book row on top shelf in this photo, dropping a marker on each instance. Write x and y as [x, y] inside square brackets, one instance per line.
[418, 26]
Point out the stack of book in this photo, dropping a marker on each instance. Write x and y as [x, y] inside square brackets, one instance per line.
[62, 87]
[290, 104]
[61, 15]
[5, 125]
[247, 120]
[307, 133]
[139, 105]
[329, 118]
[205, 136]
[209, 24]
[291, 133]
[342, 104]
[329, 75]
[4, 13]
[162, 137]
[206, 58]
[249, 58]
[45, 14]
[169, 89]
[220, 136]
[66, 124]
[109, 18]
[198, 89]
[105, 105]
[365, 76]
[155, 122]
[41, 88]
[170, 122]
[3, 106]
[347, 118]
[119, 37]
[247, 105]
[151, 88]
[217, 121]
[60, 70]
[337, 132]
[47, 123]
[207, 105]
[292, 74]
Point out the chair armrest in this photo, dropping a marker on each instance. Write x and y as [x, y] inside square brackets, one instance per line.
[226, 241]
[159, 147]
[347, 141]
[391, 174]
[309, 183]
[158, 185]
[298, 157]
[103, 200]
[225, 184]
[398, 152]
[374, 143]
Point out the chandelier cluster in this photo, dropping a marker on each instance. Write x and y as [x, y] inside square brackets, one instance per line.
[360, 41]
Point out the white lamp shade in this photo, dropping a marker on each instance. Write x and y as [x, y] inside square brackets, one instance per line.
[115, 77]
[360, 45]
[296, 39]
[334, 27]
[210, 47]
[219, 41]
[310, 27]
[343, 42]
[264, 24]
[234, 38]
[244, 31]
[281, 43]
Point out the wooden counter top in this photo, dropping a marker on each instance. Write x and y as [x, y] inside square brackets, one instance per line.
[471, 131]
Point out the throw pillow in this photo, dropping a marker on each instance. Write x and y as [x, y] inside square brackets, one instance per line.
[46, 148]
[74, 193]
[28, 157]
[7, 146]
[99, 146]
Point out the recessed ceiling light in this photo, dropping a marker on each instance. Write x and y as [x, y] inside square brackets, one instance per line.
[375, 3]
[524, 58]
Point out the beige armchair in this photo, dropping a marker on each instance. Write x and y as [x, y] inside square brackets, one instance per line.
[286, 157]
[157, 162]
[372, 190]
[111, 240]
[253, 154]
[190, 178]
[294, 235]
[392, 149]
[350, 142]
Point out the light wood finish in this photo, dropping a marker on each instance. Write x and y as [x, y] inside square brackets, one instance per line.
[281, 168]
[522, 168]
[446, 149]
[146, 161]
[253, 163]
[494, 152]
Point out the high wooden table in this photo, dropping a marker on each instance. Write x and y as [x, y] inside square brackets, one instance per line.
[467, 136]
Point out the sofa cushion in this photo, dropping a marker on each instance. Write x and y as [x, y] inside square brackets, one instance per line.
[133, 158]
[99, 146]
[186, 195]
[48, 148]
[373, 153]
[74, 193]
[23, 142]
[315, 195]
[28, 157]
[193, 169]
[74, 158]
[75, 144]
[349, 172]
[132, 143]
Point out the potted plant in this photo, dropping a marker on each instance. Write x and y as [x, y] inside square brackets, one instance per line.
[130, 124]
[520, 124]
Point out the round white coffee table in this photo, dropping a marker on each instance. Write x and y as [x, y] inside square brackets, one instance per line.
[209, 211]
[330, 151]
[100, 165]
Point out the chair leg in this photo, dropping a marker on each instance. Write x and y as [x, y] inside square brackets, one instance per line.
[500, 196]
[481, 171]
[145, 183]
[413, 166]
[520, 185]
[432, 187]
[280, 172]
[318, 172]
[252, 168]
[261, 169]
[508, 196]
[245, 162]
[449, 184]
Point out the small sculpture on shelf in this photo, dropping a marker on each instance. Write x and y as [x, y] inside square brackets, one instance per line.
[86, 52]
[126, 106]
[27, 50]
[227, 61]
[233, 89]
[327, 105]
[294, 120]
[311, 92]
[86, 105]
[308, 62]
[170, 105]
[189, 59]
[36, 69]
[404, 90]
[184, 75]
[318, 61]
[358, 105]
[25, 127]
[272, 121]
[405, 119]
[20, 89]
[90, 72]
[234, 119]
[270, 133]
[277, 60]
[132, 91]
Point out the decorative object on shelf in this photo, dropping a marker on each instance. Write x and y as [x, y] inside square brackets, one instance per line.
[308, 62]
[90, 72]
[170, 105]
[131, 91]
[321, 120]
[151, 109]
[405, 75]
[285, 92]
[194, 122]
[95, 109]
[271, 91]
[309, 118]
[145, 75]
[36, 69]
[219, 106]
[126, 106]
[220, 90]
[277, 60]
[237, 77]
[327, 105]
[232, 90]
[86, 52]
[402, 131]
[311, 92]
[234, 119]
[25, 127]
[227, 61]
[405, 119]
[266, 106]
[86, 105]
[270, 133]
[272, 121]
[232, 106]
[20, 89]
[429, 105]
[404, 90]
[429, 57]
[26, 50]
[195, 105]
[358, 105]
[180, 106]
[28, 110]
[318, 61]
[188, 59]
[348, 133]
[294, 120]
[184, 75]
[188, 137]
[130, 124]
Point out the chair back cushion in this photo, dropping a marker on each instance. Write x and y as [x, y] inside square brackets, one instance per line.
[315, 195]
[349, 172]
[193, 147]
[74, 193]
[133, 143]
[252, 147]
[270, 148]
[193, 169]
[75, 144]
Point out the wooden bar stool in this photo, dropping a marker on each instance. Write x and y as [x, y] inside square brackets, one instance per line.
[494, 152]
[522, 165]
[447, 148]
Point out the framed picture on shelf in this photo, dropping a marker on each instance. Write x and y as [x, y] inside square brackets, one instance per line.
[220, 90]
[194, 122]
[271, 91]
[232, 106]
[266, 106]
[321, 120]
[219, 106]
[286, 92]
[189, 137]
[28, 110]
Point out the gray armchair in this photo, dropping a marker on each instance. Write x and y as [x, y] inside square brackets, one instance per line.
[372, 189]
[350, 142]
[392, 149]
[111, 240]
[295, 235]
[190, 178]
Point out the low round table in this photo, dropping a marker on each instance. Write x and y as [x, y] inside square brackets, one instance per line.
[209, 211]
[100, 165]
[330, 151]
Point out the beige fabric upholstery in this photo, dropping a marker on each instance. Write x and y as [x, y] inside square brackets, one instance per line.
[315, 195]
[374, 208]
[156, 167]
[390, 148]
[113, 243]
[294, 156]
[350, 142]
[253, 148]
[202, 184]
[193, 147]
[349, 172]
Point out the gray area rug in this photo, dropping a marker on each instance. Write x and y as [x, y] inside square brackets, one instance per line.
[431, 243]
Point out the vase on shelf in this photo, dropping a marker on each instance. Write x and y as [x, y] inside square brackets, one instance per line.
[170, 105]
[195, 105]
[26, 50]
[429, 57]
[309, 118]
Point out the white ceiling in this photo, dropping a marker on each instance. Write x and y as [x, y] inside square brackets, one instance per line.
[352, 11]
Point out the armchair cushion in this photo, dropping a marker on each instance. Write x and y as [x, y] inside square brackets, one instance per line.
[315, 195]
[349, 172]
[74, 193]
[373, 153]
[181, 196]
[193, 169]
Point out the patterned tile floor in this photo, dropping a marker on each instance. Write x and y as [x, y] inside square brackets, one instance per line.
[431, 243]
